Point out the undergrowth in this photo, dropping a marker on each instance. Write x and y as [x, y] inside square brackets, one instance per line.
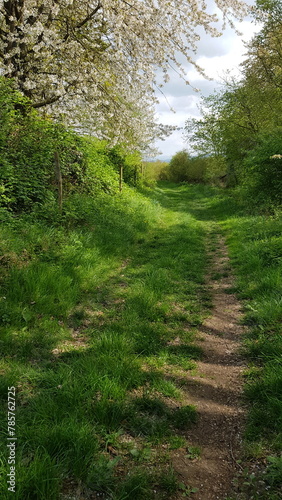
[91, 301]
[255, 243]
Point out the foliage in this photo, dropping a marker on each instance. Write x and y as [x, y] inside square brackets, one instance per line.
[27, 147]
[129, 162]
[178, 167]
[100, 174]
[203, 135]
[263, 170]
[240, 125]
[183, 168]
[153, 171]
[107, 80]
[197, 170]
[84, 306]
[133, 168]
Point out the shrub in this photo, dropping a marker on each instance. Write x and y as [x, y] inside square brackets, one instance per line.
[179, 166]
[130, 162]
[27, 146]
[262, 176]
[28, 142]
[183, 168]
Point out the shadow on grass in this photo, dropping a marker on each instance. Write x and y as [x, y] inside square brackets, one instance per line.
[68, 404]
[205, 203]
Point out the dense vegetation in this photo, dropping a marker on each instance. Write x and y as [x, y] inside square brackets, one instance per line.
[90, 299]
[28, 143]
[184, 168]
[90, 305]
[96, 285]
[240, 128]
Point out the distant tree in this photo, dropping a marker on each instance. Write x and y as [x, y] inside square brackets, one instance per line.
[240, 126]
[184, 168]
[179, 166]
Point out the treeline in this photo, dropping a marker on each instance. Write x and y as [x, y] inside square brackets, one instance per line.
[238, 140]
[240, 131]
[37, 154]
[181, 168]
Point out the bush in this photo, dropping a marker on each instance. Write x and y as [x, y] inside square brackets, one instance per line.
[27, 146]
[183, 168]
[28, 143]
[153, 171]
[129, 162]
[179, 167]
[262, 176]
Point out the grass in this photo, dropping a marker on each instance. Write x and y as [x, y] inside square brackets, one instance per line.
[90, 310]
[98, 317]
[255, 246]
[255, 242]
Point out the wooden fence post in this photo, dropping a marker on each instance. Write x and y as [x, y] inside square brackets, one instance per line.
[59, 180]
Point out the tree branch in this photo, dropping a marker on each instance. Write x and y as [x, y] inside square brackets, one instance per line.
[41, 104]
[89, 17]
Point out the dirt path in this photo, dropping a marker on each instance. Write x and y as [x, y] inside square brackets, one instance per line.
[216, 391]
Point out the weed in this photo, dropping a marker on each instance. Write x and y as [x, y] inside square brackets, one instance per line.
[168, 481]
[186, 491]
[176, 442]
[274, 471]
[193, 452]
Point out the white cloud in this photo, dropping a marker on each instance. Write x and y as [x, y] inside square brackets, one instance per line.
[216, 56]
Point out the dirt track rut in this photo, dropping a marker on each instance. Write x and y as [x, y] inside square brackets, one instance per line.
[216, 390]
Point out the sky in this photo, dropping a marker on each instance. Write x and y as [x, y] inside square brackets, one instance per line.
[216, 56]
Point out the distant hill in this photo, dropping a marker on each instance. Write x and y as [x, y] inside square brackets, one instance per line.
[162, 158]
[165, 158]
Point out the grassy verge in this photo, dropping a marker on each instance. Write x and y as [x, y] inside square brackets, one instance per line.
[255, 246]
[98, 316]
[256, 251]
[89, 313]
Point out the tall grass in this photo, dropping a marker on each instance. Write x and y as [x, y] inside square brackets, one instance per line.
[90, 303]
[256, 249]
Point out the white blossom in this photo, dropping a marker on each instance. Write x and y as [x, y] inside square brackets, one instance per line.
[95, 61]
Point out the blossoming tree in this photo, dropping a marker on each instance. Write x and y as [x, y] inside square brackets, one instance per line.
[95, 60]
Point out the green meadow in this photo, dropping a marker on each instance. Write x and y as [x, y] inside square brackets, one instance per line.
[90, 305]
[88, 309]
